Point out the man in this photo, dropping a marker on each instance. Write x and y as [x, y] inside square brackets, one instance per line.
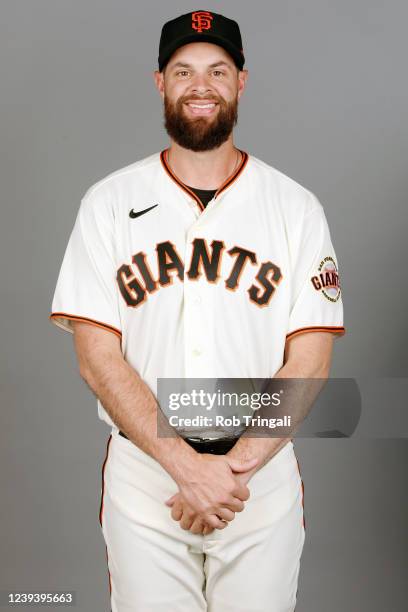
[198, 262]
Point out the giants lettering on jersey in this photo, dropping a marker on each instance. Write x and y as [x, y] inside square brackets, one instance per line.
[205, 261]
[327, 281]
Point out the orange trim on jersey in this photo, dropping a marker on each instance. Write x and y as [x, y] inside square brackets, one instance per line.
[234, 176]
[101, 506]
[227, 183]
[54, 318]
[303, 330]
[163, 158]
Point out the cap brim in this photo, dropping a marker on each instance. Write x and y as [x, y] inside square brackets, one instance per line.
[235, 53]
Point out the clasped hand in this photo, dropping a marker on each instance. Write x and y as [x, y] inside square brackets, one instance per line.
[211, 492]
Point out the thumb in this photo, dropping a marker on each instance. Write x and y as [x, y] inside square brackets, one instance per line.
[237, 465]
[170, 501]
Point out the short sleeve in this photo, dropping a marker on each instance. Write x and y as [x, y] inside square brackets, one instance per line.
[86, 286]
[316, 299]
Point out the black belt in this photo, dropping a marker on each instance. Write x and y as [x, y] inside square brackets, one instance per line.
[216, 447]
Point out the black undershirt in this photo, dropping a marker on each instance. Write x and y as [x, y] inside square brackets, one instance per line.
[205, 195]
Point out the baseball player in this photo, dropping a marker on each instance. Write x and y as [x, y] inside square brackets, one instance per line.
[200, 261]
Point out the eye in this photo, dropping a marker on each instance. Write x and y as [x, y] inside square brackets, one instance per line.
[218, 72]
[182, 73]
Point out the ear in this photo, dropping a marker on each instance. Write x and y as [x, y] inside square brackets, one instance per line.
[242, 79]
[159, 81]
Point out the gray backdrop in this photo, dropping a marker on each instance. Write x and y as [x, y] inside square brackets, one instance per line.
[326, 104]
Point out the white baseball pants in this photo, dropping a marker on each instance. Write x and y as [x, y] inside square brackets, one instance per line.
[155, 566]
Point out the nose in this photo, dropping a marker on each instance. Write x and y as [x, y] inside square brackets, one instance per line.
[200, 84]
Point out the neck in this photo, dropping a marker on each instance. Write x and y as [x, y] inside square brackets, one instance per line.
[203, 169]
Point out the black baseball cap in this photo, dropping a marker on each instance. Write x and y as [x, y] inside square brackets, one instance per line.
[201, 26]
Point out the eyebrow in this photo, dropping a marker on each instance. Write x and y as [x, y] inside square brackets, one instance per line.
[214, 65]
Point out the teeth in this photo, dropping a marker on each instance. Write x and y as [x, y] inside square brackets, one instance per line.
[202, 105]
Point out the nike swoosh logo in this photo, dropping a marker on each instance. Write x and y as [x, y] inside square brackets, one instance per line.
[133, 214]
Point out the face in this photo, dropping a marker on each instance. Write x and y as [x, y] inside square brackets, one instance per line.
[200, 86]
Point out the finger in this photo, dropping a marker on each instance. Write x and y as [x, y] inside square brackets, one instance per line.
[197, 526]
[233, 503]
[177, 511]
[215, 522]
[170, 501]
[237, 507]
[241, 466]
[225, 514]
[186, 521]
[207, 529]
[241, 491]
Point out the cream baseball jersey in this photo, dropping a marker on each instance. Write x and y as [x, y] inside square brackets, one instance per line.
[194, 291]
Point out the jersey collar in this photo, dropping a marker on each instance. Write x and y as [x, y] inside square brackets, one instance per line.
[226, 183]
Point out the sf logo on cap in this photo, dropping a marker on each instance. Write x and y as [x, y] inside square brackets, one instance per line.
[201, 20]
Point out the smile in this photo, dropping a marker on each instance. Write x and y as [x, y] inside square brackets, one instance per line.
[202, 105]
[205, 108]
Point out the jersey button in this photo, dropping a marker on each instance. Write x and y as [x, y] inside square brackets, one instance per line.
[196, 352]
[197, 299]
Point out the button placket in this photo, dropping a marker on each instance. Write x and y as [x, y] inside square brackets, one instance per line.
[195, 328]
[194, 331]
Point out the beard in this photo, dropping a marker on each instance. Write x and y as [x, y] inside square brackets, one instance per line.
[201, 133]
